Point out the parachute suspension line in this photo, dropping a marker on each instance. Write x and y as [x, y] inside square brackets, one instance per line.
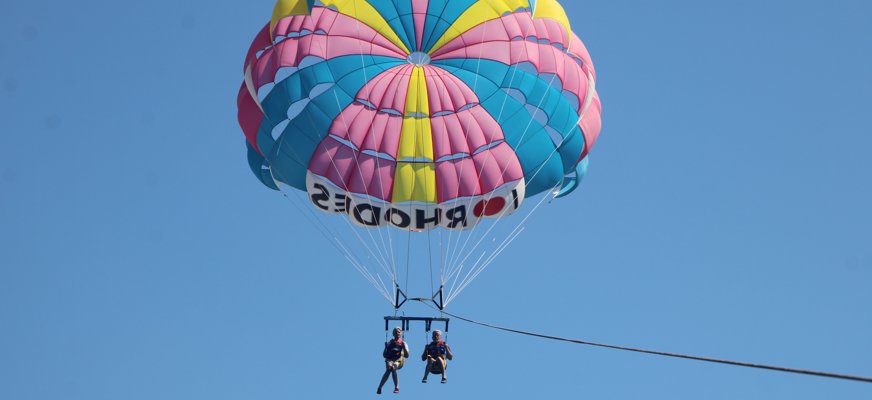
[441, 261]
[821, 374]
[523, 135]
[376, 282]
[430, 260]
[499, 219]
[348, 256]
[336, 242]
[278, 148]
[457, 276]
[479, 268]
[343, 248]
[366, 190]
[408, 253]
[420, 145]
[453, 293]
[518, 229]
[469, 119]
[515, 69]
[335, 239]
[526, 130]
[390, 248]
[427, 189]
[381, 261]
[381, 255]
[322, 228]
[456, 272]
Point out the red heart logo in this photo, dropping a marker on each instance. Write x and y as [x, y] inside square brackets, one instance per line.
[489, 208]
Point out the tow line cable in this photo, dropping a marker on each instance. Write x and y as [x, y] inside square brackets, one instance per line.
[665, 354]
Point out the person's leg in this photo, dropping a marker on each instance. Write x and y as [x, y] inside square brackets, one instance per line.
[427, 370]
[444, 369]
[396, 381]
[384, 379]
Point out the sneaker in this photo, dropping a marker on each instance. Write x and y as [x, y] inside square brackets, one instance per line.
[444, 380]
[378, 391]
[424, 380]
[396, 390]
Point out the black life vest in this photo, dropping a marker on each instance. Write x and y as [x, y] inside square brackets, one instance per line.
[395, 349]
[437, 349]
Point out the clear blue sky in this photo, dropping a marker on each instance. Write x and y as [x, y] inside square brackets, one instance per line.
[727, 213]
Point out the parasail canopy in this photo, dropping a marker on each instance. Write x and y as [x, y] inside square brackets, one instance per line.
[419, 114]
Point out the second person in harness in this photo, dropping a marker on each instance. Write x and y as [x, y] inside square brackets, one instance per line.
[436, 354]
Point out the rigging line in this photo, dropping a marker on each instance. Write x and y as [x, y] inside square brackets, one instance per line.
[384, 287]
[323, 229]
[395, 277]
[526, 130]
[430, 260]
[457, 276]
[408, 252]
[339, 241]
[359, 266]
[484, 266]
[458, 265]
[412, 73]
[498, 220]
[457, 272]
[499, 251]
[529, 214]
[441, 261]
[551, 155]
[364, 270]
[369, 198]
[511, 235]
[356, 161]
[478, 269]
[469, 118]
[673, 355]
[278, 148]
[378, 167]
[427, 186]
[341, 248]
[383, 260]
[430, 250]
[378, 288]
[389, 248]
[336, 235]
[339, 245]
[509, 239]
[515, 70]
[295, 200]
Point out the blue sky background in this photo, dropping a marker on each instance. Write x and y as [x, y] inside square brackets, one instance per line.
[727, 214]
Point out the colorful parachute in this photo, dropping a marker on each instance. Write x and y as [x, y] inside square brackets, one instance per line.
[419, 114]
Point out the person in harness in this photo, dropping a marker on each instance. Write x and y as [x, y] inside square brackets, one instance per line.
[395, 353]
[437, 354]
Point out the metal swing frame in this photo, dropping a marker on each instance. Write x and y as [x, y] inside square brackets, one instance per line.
[400, 298]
